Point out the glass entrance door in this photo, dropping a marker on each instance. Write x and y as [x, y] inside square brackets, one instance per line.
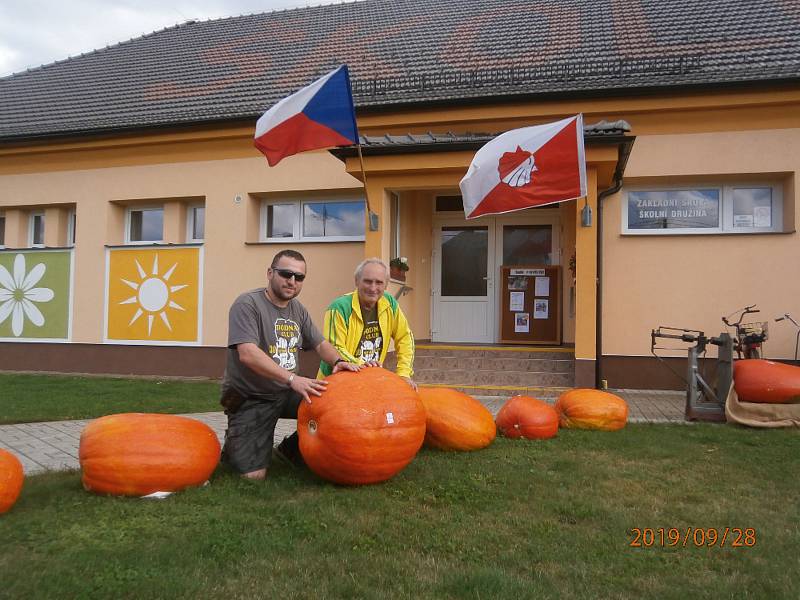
[463, 286]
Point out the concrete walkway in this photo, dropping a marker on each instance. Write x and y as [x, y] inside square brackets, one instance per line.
[53, 446]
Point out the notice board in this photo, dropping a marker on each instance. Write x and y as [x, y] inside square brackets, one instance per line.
[530, 304]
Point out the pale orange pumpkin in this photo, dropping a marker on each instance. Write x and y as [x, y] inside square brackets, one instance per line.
[136, 454]
[586, 408]
[764, 381]
[11, 479]
[455, 420]
[365, 428]
[528, 418]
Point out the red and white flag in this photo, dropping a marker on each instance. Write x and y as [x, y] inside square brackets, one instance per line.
[526, 167]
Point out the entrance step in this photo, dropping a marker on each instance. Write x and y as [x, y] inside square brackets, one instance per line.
[502, 393]
[494, 370]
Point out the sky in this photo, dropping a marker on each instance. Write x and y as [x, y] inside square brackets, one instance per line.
[37, 32]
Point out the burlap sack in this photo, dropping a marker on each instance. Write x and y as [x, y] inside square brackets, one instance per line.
[755, 414]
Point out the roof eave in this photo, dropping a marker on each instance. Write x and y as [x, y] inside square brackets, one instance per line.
[99, 132]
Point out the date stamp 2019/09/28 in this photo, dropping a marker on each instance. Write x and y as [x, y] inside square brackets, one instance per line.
[709, 537]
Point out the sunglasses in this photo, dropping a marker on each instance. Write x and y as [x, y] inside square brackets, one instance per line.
[287, 274]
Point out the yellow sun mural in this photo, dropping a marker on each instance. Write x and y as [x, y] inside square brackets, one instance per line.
[153, 295]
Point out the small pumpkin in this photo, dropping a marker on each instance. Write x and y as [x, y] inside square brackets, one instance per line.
[455, 420]
[136, 454]
[764, 381]
[585, 408]
[528, 418]
[11, 479]
[364, 428]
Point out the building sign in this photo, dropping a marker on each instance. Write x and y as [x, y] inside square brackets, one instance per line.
[153, 295]
[35, 295]
[674, 209]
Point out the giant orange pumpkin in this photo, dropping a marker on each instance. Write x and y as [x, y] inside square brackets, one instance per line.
[585, 408]
[529, 418]
[757, 380]
[11, 478]
[366, 427]
[136, 454]
[456, 421]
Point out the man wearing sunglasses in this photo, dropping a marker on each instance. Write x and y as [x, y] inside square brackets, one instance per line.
[266, 329]
[360, 324]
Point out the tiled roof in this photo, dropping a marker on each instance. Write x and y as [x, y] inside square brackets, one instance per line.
[405, 52]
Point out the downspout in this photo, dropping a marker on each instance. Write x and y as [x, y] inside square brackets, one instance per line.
[624, 153]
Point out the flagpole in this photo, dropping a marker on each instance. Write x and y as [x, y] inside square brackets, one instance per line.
[373, 218]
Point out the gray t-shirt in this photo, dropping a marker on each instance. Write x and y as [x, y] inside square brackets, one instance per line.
[279, 332]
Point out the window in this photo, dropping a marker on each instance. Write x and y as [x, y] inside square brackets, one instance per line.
[449, 204]
[2, 231]
[741, 208]
[313, 221]
[36, 230]
[394, 240]
[71, 223]
[196, 224]
[144, 225]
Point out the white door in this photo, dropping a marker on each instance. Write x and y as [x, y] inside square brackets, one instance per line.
[463, 303]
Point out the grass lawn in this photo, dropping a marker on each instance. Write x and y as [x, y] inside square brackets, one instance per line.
[29, 398]
[517, 520]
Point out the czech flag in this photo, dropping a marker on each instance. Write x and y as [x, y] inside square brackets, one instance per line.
[320, 115]
[526, 167]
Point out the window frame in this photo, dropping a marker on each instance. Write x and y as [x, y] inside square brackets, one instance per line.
[72, 223]
[190, 211]
[3, 230]
[394, 236]
[131, 209]
[725, 223]
[299, 205]
[31, 228]
[776, 208]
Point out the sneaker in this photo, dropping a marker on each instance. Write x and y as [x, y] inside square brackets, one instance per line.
[288, 453]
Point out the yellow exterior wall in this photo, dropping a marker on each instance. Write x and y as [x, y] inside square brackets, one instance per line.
[678, 136]
[569, 216]
[691, 281]
[586, 284]
[230, 265]
[416, 243]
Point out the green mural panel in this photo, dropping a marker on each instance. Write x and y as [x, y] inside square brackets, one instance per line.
[34, 294]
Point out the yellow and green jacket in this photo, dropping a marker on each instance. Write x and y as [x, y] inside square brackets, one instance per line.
[344, 325]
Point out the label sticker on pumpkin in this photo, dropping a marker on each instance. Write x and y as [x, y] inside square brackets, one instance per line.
[389, 418]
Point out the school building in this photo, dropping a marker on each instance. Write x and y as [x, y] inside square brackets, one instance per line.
[134, 207]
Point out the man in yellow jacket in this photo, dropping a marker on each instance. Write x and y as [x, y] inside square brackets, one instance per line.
[360, 324]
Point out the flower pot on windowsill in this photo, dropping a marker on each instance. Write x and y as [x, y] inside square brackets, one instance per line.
[397, 274]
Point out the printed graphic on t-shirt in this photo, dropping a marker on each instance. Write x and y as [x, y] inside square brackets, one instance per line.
[370, 347]
[287, 334]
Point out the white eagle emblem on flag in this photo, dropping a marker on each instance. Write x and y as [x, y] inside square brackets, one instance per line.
[516, 168]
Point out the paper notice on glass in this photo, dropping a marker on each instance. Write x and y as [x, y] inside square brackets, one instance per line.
[742, 220]
[541, 308]
[517, 302]
[762, 216]
[542, 286]
[522, 322]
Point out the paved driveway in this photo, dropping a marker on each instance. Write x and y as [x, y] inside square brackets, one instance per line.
[54, 445]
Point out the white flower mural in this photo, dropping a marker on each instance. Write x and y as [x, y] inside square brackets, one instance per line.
[18, 294]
